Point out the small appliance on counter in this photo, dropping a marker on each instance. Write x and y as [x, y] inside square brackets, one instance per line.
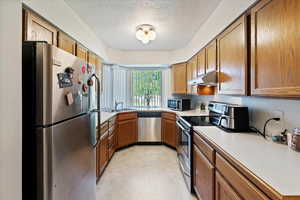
[231, 117]
[179, 104]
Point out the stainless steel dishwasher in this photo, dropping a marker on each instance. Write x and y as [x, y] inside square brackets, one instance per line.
[149, 127]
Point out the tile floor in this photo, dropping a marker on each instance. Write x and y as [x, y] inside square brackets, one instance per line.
[143, 173]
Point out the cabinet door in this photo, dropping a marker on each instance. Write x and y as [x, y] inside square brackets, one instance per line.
[194, 67]
[103, 152]
[201, 62]
[223, 190]
[66, 43]
[98, 63]
[211, 57]
[92, 58]
[179, 78]
[127, 132]
[203, 176]
[169, 132]
[98, 160]
[81, 52]
[232, 59]
[188, 77]
[275, 48]
[37, 29]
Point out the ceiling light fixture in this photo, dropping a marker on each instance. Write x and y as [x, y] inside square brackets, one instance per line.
[145, 33]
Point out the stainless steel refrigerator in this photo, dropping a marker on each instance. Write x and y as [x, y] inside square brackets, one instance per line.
[59, 124]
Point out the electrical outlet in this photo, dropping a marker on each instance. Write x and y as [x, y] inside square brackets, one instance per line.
[280, 123]
[278, 114]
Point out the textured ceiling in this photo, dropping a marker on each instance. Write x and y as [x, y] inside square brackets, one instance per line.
[115, 21]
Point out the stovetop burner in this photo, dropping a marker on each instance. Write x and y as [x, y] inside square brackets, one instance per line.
[198, 120]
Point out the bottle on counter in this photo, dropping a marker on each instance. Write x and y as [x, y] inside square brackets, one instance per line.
[202, 106]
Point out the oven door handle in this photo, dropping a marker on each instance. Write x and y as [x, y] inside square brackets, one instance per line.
[181, 127]
[182, 167]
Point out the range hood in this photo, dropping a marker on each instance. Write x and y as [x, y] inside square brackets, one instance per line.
[209, 78]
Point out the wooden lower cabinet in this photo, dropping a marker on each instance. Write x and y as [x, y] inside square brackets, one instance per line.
[112, 144]
[204, 173]
[98, 161]
[168, 128]
[102, 154]
[215, 178]
[223, 191]
[127, 132]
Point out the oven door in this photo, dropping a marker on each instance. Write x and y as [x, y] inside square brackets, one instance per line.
[184, 153]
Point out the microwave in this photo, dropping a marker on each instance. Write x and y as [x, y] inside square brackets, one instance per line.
[179, 104]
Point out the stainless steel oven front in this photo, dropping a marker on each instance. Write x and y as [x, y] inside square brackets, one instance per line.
[184, 152]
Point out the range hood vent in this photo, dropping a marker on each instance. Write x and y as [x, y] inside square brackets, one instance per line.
[209, 78]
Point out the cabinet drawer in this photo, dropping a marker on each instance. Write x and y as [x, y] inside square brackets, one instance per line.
[205, 148]
[111, 140]
[112, 122]
[126, 116]
[243, 186]
[103, 128]
[112, 130]
[169, 116]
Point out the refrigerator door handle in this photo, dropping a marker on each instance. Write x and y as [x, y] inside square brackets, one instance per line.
[97, 110]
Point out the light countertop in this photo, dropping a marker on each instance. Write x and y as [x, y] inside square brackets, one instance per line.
[107, 115]
[276, 164]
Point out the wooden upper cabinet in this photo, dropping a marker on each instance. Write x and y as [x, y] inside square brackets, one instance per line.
[188, 77]
[66, 43]
[81, 52]
[37, 29]
[194, 67]
[211, 56]
[98, 64]
[92, 58]
[275, 48]
[232, 59]
[179, 78]
[201, 62]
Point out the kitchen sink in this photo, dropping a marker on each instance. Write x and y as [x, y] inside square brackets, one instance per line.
[119, 110]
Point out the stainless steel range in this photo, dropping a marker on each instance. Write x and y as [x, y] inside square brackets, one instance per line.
[229, 117]
[185, 131]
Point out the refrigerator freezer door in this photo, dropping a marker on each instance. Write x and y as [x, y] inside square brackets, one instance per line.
[66, 161]
[59, 80]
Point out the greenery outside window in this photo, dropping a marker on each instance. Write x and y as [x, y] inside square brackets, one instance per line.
[146, 88]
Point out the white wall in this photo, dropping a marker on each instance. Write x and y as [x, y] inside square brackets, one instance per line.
[61, 15]
[261, 109]
[123, 57]
[10, 99]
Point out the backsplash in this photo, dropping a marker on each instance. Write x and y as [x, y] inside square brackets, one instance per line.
[261, 109]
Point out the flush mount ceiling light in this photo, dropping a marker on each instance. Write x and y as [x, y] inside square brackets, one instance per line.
[145, 33]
